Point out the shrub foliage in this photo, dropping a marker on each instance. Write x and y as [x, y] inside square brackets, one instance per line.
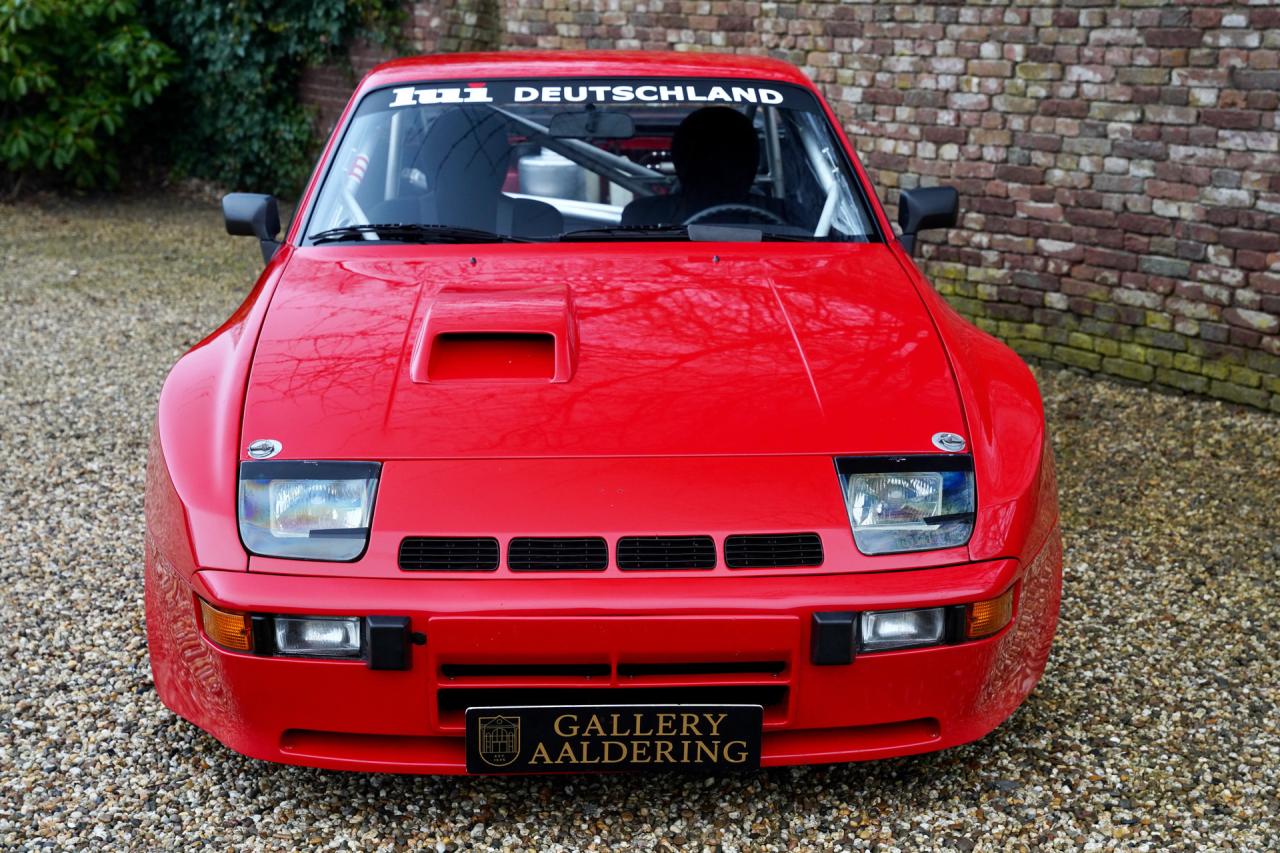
[73, 73]
[237, 119]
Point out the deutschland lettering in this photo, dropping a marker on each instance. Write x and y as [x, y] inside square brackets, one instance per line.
[692, 93]
[647, 93]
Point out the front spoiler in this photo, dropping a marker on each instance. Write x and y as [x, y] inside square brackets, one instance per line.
[343, 715]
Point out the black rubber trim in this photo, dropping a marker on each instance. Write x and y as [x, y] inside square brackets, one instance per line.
[833, 637]
[293, 469]
[387, 642]
[264, 634]
[737, 667]
[909, 463]
[456, 699]
[510, 670]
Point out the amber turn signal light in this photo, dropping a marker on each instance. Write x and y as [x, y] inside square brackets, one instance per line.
[987, 617]
[227, 628]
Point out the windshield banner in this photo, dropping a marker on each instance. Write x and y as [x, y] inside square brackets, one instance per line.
[629, 91]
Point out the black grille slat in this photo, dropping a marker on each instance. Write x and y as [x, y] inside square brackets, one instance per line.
[634, 553]
[773, 550]
[549, 554]
[448, 554]
[639, 553]
[458, 699]
[739, 667]
[508, 670]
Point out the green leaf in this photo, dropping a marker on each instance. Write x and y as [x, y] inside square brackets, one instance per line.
[72, 75]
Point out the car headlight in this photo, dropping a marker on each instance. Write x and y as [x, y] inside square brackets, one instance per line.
[307, 510]
[908, 503]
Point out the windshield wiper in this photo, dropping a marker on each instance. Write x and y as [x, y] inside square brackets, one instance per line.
[626, 232]
[697, 233]
[413, 232]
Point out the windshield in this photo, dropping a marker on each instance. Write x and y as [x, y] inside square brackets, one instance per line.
[565, 159]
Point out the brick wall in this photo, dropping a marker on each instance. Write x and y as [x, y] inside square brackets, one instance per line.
[1118, 160]
[429, 27]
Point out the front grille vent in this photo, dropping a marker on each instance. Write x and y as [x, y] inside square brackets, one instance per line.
[769, 551]
[731, 667]
[540, 554]
[455, 700]
[516, 670]
[639, 553]
[448, 554]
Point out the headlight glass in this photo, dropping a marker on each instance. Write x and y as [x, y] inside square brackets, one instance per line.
[307, 510]
[901, 629]
[318, 636]
[908, 503]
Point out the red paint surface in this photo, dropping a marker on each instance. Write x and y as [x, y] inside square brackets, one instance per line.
[686, 396]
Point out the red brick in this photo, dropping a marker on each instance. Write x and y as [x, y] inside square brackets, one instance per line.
[1256, 241]
[1173, 37]
[1020, 174]
[1234, 119]
[1144, 224]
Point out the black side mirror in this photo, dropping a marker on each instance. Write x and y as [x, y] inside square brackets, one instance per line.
[253, 215]
[924, 208]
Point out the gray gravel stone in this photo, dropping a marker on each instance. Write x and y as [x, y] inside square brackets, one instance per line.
[1155, 727]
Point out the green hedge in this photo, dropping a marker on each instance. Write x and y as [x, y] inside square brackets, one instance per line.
[73, 76]
[81, 85]
[235, 113]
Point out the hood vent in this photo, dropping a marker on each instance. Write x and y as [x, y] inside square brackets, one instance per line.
[492, 355]
[448, 554]
[773, 551]
[526, 335]
[537, 554]
[642, 553]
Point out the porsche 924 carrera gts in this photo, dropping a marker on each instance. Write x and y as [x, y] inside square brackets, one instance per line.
[591, 415]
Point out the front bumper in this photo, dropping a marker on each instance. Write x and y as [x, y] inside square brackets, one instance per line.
[600, 640]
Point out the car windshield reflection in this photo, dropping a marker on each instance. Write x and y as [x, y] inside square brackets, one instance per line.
[589, 160]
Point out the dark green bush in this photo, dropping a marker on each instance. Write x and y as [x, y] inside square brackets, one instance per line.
[72, 74]
[236, 118]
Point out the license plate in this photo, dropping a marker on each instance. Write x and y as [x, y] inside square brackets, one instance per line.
[538, 739]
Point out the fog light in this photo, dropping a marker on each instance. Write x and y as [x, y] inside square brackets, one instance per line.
[987, 617]
[227, 628]
[901, 629]
[318, 636]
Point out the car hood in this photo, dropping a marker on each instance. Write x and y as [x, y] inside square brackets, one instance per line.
[448, 352]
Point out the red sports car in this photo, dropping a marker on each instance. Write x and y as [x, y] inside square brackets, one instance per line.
[590, 415]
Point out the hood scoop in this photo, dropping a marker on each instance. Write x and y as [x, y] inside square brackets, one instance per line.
[527, 335]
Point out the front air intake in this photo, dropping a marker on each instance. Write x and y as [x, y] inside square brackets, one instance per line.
[557, 554]
[773, 550]
[448, 554]
[644, 553]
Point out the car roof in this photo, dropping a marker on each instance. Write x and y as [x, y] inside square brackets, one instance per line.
[582, 63]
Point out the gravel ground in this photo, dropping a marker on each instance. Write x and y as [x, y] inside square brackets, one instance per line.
[1154, 728]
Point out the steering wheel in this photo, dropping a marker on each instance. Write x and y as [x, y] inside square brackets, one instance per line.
[763, 213]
